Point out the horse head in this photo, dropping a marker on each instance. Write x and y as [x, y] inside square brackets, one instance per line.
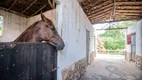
[49, 34]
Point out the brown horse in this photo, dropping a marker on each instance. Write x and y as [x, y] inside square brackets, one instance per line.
[43, 30]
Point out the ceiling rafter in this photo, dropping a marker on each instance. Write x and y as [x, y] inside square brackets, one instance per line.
[29, 6]
[100, 5]
[101, 9]
[39, 10]
[127, 11]
[129, 7]
[129, 3]
[12, 4]
[131, 19]
[104, 14]
[101, 12]
[94, 2]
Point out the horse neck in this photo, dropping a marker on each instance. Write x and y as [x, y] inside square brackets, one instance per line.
[29, 35]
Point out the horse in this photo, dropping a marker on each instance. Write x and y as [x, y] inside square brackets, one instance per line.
[43, 30]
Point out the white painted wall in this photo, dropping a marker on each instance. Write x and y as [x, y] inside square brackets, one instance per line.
[138, 29]
[130, 30]
[139, 38]
[13, 26]
[72, 24]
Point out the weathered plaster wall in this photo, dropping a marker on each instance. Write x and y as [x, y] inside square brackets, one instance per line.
[12, 27]
[130, 30]
[139, 38]
[72, 24]
[138, 29]
[139, 44]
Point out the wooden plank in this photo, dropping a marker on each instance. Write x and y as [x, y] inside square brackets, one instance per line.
[5, 58]
[129, 3]
[12, 4]
[101, 9]
[27, 61]
[32, 62]
[131, 11]
[129, 7]
[29, 6]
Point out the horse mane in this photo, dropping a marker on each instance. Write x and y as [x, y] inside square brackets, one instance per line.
[28, 33]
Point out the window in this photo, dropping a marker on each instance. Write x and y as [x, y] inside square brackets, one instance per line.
[1, 25]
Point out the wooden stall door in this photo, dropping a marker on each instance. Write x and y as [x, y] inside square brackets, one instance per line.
[27, 61]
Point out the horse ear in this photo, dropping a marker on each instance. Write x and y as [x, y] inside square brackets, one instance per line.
[43, 17]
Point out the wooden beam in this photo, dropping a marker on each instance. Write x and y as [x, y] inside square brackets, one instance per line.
[101, 9]
[104, 14]
[94, 2]
[129, 7]
[112, 29]
[113, 11]
[51, 4]
[130, 14]
[132, 19]
[12, 4]
[101, 12]
[14, 12]
[127, 11]
[29, 6]
[100, 5]
[129, 3]
[103, 18]
[38, 10]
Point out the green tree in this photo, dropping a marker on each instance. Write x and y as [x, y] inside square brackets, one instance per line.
[115, 39]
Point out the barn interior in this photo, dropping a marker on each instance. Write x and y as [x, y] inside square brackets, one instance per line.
[98, 11]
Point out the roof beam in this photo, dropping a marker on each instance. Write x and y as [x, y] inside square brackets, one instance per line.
[130, 14]
[12, 4]
[129, 11]
[103, 18]
[131, 19]
[101, 12]
[52, 4]
[129, 7]
[38, 10]
[100, 5]
[129, 3]
[14, 12]
[94, 2]
[29, 6]
[101, 9]
[101, 15]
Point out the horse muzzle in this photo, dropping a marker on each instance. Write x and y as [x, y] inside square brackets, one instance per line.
[60, 45]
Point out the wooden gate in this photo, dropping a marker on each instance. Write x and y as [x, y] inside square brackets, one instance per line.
[27, 61]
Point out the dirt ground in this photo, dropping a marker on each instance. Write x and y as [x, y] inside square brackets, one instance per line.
[112, 67]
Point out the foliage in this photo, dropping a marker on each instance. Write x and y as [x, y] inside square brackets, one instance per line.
[1, 21]
[115, 39]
